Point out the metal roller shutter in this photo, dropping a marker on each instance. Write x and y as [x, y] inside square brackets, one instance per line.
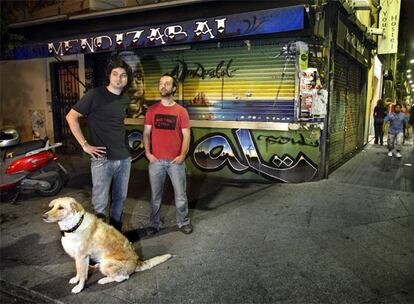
[231, 80]
[346, 111]
[353, 105]
[337, 113]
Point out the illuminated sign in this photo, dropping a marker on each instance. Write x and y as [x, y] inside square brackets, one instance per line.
[237, 25]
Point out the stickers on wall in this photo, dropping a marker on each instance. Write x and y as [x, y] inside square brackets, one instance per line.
[313, 98]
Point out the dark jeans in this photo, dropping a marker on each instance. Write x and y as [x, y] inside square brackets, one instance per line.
[379, 132]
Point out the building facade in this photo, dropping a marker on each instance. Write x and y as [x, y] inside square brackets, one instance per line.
[276, 90]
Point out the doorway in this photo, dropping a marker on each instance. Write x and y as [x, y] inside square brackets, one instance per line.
[65, 93]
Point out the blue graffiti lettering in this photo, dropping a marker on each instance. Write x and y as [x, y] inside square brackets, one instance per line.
[214, 152]
[136, 145]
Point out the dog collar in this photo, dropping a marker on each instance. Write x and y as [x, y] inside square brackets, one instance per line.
[74, 227]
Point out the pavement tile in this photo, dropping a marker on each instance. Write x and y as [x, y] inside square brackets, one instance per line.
[316, 268]
[205, 279]
[374, 169]
[17, 294]
[389, 299]
[286, 285]
[378, 276]
[25, 275]
[407, 221]
[405, 295]
[408, 200]
[59, 268]
[387, 250]
[6, 240]
[401, 236]
[28, 250]
[141, 287]
[95, 297]
[341, 240]
[60, 290]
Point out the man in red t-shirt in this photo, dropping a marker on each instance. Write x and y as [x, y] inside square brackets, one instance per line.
[167, 140]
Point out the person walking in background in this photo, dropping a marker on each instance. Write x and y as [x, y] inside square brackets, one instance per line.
[397, 121]
[167, 140]
[380, 111]
[105, 108]
[411, 120]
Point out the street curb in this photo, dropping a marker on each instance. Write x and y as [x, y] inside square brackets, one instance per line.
[10, 293]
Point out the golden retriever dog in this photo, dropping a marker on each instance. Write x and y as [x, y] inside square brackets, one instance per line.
[85, 237]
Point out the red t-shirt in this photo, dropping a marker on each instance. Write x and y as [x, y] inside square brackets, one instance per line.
[166, 134]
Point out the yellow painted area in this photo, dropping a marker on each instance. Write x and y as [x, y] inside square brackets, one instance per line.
[231, 71]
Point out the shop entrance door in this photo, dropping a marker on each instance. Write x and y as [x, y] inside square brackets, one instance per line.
[65, 93]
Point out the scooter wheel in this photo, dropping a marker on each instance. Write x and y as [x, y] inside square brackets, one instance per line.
[57, 185]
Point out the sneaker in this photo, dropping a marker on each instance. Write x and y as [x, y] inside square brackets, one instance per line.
[186, 229]
[390, 154]
[151, 231]
[398, 155]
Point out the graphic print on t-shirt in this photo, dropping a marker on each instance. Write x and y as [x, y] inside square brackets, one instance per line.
[166, 122]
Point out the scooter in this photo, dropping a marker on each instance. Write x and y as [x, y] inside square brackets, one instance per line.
[31, 165]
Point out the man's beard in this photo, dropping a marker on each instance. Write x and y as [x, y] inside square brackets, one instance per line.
[167, 94]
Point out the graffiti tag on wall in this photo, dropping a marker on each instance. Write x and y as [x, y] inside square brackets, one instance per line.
[216, 151]
[136, 145]
[181, 71]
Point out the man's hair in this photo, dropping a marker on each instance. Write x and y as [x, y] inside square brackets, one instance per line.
[175, 81]
[114, 63]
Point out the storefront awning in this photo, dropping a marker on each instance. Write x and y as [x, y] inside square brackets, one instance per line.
[270, 21]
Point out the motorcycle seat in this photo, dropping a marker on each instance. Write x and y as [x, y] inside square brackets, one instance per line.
[25, 147]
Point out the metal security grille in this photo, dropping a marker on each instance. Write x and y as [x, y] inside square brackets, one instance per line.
[236, 81]
[337, 113]
[352, 111]
[65, 90]
[346, 111]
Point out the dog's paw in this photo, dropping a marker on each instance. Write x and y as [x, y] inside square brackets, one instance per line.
[74, 280]
[77, 289]
[105, 280]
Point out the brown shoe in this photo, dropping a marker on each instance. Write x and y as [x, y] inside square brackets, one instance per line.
[186, 229]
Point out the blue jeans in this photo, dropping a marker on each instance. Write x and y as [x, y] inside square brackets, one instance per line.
[158, 170]
[104, 173]
[395, 140]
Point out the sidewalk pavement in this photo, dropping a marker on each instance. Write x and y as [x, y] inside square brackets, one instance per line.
[347, 239]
